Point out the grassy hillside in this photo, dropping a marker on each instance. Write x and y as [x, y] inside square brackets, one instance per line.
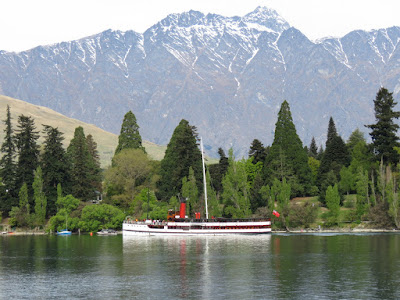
[106, 141]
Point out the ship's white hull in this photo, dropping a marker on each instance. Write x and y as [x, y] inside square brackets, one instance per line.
[196, 228]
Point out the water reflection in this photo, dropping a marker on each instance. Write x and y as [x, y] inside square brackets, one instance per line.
[235, 267]
[199, 266]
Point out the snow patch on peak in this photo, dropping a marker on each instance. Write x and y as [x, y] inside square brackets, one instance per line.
[268, 18]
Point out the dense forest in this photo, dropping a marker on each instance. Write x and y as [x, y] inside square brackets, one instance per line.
[48, 186]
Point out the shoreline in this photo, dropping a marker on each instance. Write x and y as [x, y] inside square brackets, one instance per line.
[339, 230]
[294, 231]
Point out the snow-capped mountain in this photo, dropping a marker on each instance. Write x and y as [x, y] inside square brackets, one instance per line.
[226, 75]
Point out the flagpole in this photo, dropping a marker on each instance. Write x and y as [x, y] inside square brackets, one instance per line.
[204, 176]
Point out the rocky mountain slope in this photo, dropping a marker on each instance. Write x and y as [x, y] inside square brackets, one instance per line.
[226, 76]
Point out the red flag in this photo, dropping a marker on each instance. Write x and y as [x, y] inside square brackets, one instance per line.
[276, 214]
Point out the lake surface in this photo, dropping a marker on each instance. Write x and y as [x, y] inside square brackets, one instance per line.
[277, 266]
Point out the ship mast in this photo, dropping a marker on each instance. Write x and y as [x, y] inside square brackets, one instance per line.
[204, 176]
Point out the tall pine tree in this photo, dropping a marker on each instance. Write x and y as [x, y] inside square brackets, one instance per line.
[81, 161]
[313, 151]
[182, 153]
[334, 158]
[257, 151]
[129, 136]
[95, 163]
[56, 167]
[28, 152]
[7, 167]
[287, 148]
[384, 131]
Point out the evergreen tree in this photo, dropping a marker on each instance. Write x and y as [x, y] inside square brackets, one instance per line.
[288, 147]
[28, 152]
[332, 133]
[39, 197]
[384, 131]
[182, 153]
[95, 168]
[256, 199]
[81, 164]
[217, 171]
[56, 166]
[223, 161]
[129, 136]
[257, 151]
[334, 158]
[313, 151]
[7, 167]
[336, 155]
[320, 153]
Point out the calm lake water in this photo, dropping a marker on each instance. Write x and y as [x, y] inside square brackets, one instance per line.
[277, 266]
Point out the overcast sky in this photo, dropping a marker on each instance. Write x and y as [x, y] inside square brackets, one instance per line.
[25, 24]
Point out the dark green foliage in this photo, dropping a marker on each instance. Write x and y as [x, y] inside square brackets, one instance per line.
[313, 151]
[95, 169]
[7, 168]
[256, 199]
[329, 179]
[336, 155]
[28, 152]
[129, 136]
[257, 151]
[320, 153]
[331, 131]
[334, 158]
[56, 167]
[217, 171]
[181, 154]
[82, 164]
[287, 157]
[384, 131]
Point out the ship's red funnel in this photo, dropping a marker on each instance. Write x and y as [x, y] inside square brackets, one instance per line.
[182, 211]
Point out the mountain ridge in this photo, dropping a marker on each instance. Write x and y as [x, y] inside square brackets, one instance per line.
[226, 75]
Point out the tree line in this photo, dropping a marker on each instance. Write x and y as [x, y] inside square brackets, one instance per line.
[31, 173]
[267, 180]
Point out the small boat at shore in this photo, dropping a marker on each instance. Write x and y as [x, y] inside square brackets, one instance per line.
[178, 224]
[64, 232]
[107, 232]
